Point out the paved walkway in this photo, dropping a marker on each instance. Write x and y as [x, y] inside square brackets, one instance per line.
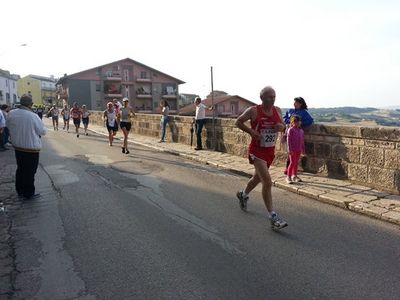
[8, 201]
[357, 198]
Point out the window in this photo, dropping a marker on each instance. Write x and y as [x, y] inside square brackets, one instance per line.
[98, 87]
[7, 96]
[143, 74]
[6, 82]
[1, 95]
[15, 98]
[13, 85]
[126, 75]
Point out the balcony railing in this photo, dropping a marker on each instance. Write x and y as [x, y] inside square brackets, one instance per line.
[144, 96]
[116, 95]
[113, 76]
[169, 96]
[143, 79]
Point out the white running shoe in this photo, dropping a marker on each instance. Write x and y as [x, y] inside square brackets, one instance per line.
[277, 222]
[296, 179]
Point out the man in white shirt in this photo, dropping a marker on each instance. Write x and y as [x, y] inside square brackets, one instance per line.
[200, 119]
[26, 130]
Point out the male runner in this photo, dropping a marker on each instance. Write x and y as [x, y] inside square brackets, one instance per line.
[53, 112]
[66, 115]
[266, 121]
[76, 114]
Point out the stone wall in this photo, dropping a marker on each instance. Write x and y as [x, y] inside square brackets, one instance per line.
[365, 155]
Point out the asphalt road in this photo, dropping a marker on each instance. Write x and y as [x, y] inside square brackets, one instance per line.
[150, 225]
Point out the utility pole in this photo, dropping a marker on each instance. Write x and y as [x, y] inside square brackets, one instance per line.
[214, 141]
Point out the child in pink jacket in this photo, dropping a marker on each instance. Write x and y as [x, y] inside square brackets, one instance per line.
[295, 142]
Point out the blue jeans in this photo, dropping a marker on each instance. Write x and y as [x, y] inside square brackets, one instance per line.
[199, 129]
[163, 125]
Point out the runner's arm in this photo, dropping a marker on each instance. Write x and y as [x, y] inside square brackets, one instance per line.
[281, 126]
[247, 115]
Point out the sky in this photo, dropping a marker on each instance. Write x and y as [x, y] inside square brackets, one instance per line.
[332, 53]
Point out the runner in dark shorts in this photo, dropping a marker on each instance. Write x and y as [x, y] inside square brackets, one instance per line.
[76, 114]
[53, 112]
[124, 116]
[66, 115]
[110, 117]
[85, 118]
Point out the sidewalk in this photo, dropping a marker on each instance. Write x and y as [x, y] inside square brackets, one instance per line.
[8, 199]
[357, 198]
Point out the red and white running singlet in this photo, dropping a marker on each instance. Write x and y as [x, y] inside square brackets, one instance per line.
[265, 147]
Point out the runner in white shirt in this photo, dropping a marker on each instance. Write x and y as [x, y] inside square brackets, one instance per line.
[66, 116]
[200, 119]
[54, 113]
[110, 117]
[85, 118]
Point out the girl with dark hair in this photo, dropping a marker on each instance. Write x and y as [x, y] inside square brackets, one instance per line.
[295, 146]
[300, 110]
[164, 119]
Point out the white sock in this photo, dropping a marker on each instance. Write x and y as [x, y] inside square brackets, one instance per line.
[244, 194]
[271, 213]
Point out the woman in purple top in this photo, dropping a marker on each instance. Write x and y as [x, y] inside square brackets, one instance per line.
[295, 143]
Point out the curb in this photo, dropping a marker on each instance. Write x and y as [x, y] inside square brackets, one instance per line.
[321, 197]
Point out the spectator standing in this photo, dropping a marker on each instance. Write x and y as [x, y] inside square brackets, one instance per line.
[164, 119]
[200, 119]
[6, 134]
[39, 112]
[295, 145]
[2, 126]
[26, 130]
[300, 109]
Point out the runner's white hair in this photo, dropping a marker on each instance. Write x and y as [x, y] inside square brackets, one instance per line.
[266, 89]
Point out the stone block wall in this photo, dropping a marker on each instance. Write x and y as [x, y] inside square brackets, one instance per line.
[366, 155]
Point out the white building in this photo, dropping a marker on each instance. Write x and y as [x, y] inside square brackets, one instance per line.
[8, 87]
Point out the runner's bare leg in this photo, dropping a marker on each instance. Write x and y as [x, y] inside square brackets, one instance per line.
[266, 181]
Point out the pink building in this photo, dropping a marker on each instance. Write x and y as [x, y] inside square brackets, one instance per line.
[226, 106]
[143, 85]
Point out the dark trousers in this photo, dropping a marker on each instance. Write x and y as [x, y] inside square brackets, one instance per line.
[6, 135]
[27, 163]
[2, 138]
[199, 128]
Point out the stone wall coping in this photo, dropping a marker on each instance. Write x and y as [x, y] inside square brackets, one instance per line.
[383, 133]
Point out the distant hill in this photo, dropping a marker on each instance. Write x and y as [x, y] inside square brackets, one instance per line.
[367, 116]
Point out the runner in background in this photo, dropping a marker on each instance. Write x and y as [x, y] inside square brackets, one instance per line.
[124, 118]
[54, 113]
[85, 118]
[76, 114]
[110, 118]
[66, 116]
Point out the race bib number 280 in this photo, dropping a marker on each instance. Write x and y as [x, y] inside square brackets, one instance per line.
[268, 137]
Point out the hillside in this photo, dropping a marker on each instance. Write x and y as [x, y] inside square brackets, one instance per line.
[368, 116]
